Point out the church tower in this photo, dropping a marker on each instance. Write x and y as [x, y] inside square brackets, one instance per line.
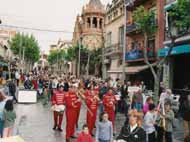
[92, 23]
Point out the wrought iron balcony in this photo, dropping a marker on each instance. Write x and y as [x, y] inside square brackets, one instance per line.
[131, 28]
[113, 49]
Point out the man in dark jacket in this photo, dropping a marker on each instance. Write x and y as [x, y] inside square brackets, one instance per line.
[12, 90]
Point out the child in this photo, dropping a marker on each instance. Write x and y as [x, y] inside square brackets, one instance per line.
[169, 119]
[149, 122]
[9, 117]
[84, 136]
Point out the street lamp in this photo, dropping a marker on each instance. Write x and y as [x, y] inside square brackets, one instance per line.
[124, 44]
[78, 67]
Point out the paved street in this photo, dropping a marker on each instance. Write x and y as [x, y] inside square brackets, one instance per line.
[35, 122]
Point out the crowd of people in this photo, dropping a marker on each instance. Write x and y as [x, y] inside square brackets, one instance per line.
[146, 120]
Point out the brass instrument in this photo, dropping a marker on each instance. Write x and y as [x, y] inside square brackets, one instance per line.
[82, 98]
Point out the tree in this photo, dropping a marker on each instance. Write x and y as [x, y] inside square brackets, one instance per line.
[26, 46]
[179, 16]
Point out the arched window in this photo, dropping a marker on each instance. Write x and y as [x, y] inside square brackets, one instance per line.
[94, 22]
[88, 22]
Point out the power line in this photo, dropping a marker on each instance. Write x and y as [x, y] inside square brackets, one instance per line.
[36, 29]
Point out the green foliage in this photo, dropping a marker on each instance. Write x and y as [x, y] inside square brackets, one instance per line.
[26, 43]
[56, 56]
[145, 20]
[179, 15]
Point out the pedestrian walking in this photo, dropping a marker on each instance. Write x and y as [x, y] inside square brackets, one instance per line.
[109, 102]
[104, 129]
[58, 102]
[85, 136]
[2, 106]
[9, 116]
[133, 132]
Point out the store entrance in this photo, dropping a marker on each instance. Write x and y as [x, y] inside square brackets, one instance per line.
[181, 71]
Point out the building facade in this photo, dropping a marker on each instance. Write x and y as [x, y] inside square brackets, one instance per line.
[89, 26]
[176, 69]
[114, 38]
[136, 69]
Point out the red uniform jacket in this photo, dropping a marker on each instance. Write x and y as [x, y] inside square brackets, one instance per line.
[109, 101]
[91, 103]
[58, 98]
[84, 138]
[70, 100]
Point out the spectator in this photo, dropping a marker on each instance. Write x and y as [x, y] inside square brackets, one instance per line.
[84, 136]
[104, 131]
[149, 101]
[2, 105]
[137, 101]
[133, 132]
[9, 117]
[28, 84]
[149, 122]
[169, 119]
[12, 90]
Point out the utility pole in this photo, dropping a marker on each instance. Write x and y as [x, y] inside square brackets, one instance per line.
[124, 46]
[78, 67]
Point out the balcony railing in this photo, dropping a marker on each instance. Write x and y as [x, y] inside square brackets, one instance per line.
[113, 49]
[131, 28]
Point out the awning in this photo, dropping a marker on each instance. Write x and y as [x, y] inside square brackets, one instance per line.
[169, 6]
[136, 69]
[131, 70]
[182, 49]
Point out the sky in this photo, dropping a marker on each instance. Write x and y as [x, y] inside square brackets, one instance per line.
[58, 15]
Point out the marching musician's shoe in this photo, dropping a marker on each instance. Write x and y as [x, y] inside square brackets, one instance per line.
[67, 140]
[60, 130]
[54, 128]
[73, 137]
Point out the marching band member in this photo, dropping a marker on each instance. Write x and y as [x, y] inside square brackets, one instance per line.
[58, 100]
[80, 95]
[109, 102]
[72, 102]
[92, 103]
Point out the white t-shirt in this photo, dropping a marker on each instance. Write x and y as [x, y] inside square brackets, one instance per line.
[149, 120]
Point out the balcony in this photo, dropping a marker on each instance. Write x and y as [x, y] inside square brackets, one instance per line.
[131, 4]
[113, 49]
[132, 29]
[182, 37]
[136, 52]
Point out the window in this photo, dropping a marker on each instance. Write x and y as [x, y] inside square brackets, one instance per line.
[109, 39]
[101, 23]
[121, 36]
[88, 22]
[94, 23]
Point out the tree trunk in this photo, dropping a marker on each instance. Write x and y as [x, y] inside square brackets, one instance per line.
[155, 75]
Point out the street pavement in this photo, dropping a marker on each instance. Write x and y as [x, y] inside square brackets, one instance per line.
[35, 121]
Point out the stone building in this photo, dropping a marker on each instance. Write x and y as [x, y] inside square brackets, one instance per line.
[114, 38]
[89, 26]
